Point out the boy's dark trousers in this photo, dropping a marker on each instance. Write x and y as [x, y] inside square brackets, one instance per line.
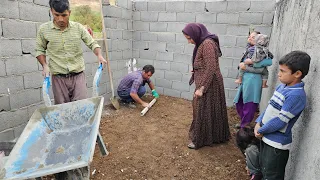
[273, 162]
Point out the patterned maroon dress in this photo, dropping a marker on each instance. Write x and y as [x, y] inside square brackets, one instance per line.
[210, 120]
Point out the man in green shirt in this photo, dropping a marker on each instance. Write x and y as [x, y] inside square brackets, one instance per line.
[60, 40]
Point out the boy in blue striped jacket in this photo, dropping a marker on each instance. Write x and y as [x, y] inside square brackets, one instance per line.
[285, 106]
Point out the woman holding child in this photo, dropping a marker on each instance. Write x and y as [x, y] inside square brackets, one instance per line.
[249, 92]
[210, 120]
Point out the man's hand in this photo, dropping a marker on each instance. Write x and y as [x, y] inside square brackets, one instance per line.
[248, 61]
[45, 70]
[144, 104]
[256, 128]
[102, 60]
[154, 93]
[242, 66]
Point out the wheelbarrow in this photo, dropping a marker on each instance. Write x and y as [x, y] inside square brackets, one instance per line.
[57, 138]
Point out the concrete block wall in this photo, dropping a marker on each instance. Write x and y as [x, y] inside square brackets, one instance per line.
[118, 23]
[296, 27]
[20, 73]
[158, 40]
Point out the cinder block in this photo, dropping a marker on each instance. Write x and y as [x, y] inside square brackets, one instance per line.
[158, 74]
[148, 16]
[42, 2]
[239, 30]
[7, 135]
[232, 93]
[2, 68]
[227, 51]
[143, 62]
[262, 6]
[235, 6]
[218, 6]
[172, 93]
[126, 14]
[242, 41]
[206, 18]
[175, 47]
[180, 38]
[4, 103]
[21, 64]
[164, 56]
[164, 83]
[110, 22]
[124, 45]
[224, 71]
[250, 18]
[187, 95]
[122, 24]
[167, 17]
[136, 35]
[89, 57]
[24, 98]
[18, 130]
[180, 86]
[114, 33]
[233, 73]
[219, 29]
[229, 41]
[238, 52]
[186, 17]
[130, 4]
[13, 118]
[115, 55]
[112, 11]
[184, 58]
[114, 65]
[140, 5]
[188, 49]
[13, 83]
[122, 65]
[123, 4]
[140, 45]
[229, 83]
[28, 46]
[127, 54]
[195, 7]
[156, 6]
[175, 6]
[135, 53]
[186, 77]
[9, 9]
[32, 80]
[228, 18]
[268, 18]
[148, 54]
[226, 62]
[159, 90]
[149, 36]
[158, 27]
[264, 29]
[27, 12]
[157, 46]
[17, 29]
[180, 67]
[173, 75]
[166, 37]
[88, 71]
[176, 27]
[229, 102]
[0, 27]
[141, 26]
[162, 65]
[32, 108]
[136, 16]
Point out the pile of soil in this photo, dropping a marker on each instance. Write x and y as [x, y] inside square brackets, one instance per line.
[155, 146]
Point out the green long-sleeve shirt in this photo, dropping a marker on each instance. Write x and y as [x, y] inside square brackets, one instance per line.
[64, 47]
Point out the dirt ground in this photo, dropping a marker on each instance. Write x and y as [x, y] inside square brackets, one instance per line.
[155, 146]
